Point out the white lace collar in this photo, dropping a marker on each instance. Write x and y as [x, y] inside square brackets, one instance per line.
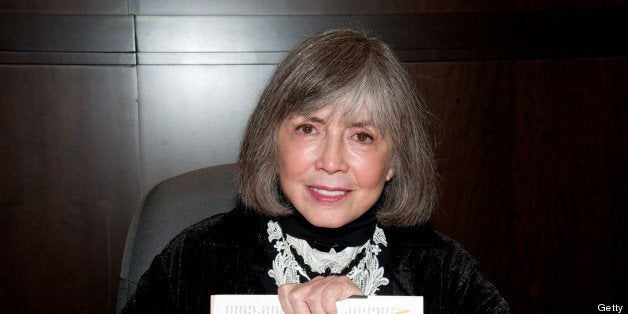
[366, 272]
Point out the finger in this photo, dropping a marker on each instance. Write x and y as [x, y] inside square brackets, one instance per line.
[292, 296]
[297, 299]
[306, 297]
[283, 292]
[337, 289]
[313, 298]
[318, 295]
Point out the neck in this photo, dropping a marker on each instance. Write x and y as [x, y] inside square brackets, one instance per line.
[355, 233]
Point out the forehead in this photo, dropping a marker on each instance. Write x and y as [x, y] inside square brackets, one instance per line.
[340, 113]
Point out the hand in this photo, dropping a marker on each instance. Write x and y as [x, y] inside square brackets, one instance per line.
[318, 295]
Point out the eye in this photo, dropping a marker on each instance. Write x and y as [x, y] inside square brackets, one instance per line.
[305, 128]
[363, 137]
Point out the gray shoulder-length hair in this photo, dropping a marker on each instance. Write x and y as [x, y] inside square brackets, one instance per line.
[348, 70]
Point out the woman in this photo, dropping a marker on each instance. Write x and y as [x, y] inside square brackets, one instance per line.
[336, 180]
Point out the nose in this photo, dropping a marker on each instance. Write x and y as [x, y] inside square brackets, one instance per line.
[332, 155]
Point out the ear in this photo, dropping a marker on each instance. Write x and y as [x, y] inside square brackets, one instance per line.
[390, 173]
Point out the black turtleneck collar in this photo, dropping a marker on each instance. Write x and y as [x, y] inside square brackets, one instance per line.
[355, 233]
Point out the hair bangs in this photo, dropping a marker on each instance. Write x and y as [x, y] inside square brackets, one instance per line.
[367, 93]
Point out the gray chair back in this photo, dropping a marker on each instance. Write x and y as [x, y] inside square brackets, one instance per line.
[170, 207]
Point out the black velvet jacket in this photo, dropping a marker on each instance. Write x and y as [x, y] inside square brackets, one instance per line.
[227, 254]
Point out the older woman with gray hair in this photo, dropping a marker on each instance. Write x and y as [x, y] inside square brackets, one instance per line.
[337, 182]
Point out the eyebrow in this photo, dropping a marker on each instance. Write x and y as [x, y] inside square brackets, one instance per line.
[358, 124]
[361, 124]
[316, 119]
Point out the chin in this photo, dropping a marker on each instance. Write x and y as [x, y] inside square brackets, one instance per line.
[328, 222]
[329, 225]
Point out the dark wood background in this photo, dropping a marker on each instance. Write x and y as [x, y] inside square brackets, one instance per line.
[101, 100]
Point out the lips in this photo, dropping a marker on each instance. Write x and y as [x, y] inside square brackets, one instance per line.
[328, 195]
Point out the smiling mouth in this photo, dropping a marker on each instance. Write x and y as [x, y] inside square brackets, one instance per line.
[328, 193]
[328, 196]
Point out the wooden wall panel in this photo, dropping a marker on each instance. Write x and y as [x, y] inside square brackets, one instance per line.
[417, 37]
[193, 116]
[330, 7]
[66, 33]
[531, 139]
[64, 6]
[531, 158]
[67, 39]
[474, 112]
[567, 209]
[69, 184]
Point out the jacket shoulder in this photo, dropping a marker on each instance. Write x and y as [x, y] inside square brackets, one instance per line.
[234, 228]
[423, 237]
[429, 263]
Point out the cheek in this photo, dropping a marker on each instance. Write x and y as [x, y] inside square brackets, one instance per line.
[371, 172]
[292, 160]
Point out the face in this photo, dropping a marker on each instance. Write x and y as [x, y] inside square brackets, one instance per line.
[332, 170]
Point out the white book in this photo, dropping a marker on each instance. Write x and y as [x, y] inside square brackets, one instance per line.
[269, 304]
